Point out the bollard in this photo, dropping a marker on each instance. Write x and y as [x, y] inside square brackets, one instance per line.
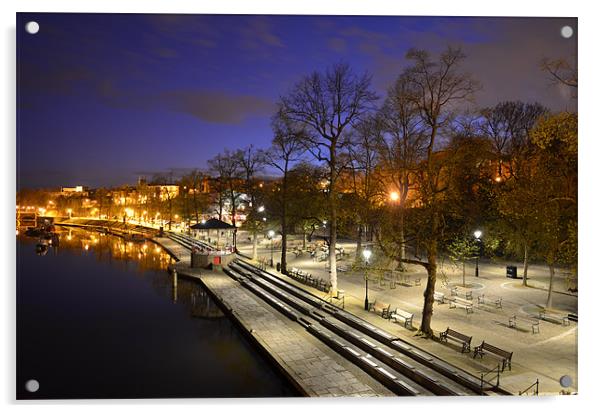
[175, 285]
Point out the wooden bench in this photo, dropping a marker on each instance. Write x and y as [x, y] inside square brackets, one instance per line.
[380, 308]
[503, 355]
[399, 314]
[533, 323]
[439, 297]
[481, 299]
[460, 302]
[554, 317]
[454, 335]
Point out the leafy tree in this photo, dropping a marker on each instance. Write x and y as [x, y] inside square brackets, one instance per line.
[461, 250]
[556, 189]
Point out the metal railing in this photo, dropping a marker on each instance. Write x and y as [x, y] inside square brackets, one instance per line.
[535, 391]
[496, 371]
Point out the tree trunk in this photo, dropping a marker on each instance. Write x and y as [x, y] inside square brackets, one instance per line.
[196, 205]
[332, 195]
[549, 302]
[283, 254]
[332, 249]
[358, 246]
[429, 292]
[463, 273]
[255, 245]
[525, 265]
[283, 228]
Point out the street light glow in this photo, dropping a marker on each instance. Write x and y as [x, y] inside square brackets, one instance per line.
[394, 195]
[271, 234]
[477, 234]
[367, 254]
[261, 209]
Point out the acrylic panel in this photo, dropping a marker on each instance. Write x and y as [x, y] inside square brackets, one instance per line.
[286, 205]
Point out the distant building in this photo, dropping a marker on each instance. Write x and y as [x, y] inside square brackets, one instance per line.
[74, 190]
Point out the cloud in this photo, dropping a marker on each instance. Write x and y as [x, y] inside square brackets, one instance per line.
[502, 53]
[217, 107]
[337, 44]
[256, 35]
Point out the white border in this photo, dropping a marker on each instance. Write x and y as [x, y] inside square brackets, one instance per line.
[590, 150]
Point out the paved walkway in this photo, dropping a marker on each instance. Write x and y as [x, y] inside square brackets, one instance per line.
[181, 253]
[317, 370]
[545, 356]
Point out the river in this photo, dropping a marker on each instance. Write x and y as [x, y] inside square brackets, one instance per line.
[97, 317]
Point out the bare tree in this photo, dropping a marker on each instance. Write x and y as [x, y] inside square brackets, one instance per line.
[507, 125]
[328, 103]
[562, 72]
[438, 91]
[362, 164]
[251, 161]
[227, 169]
[402, 145]
[287, 147]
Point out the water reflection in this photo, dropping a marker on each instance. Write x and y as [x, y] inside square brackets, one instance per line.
[96, 319]
[143, 255]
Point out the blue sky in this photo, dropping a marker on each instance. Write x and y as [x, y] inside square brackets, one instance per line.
[104, 98]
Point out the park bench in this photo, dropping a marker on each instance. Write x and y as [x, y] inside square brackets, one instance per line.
[387, 277]
[460, 302]
[481, 299]
[380, 308]
[455, 291]
[454, 335]
[407, 281]
[503, 355]
[439, 297]
[531, 322]
[554, 317]
[399, 314]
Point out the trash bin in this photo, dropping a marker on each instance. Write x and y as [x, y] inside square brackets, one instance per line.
[511, 271]
[278, 266]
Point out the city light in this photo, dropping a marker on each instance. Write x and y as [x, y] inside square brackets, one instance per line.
[394, 196]
[271, 234]
[477, 234]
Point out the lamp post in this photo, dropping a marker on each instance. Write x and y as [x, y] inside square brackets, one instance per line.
[477, 235]
[367, 254]
[271, 238]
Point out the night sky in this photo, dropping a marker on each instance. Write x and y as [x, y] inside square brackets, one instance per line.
[105, 98]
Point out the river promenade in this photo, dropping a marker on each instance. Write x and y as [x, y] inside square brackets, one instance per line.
[545, 356]
[311, 366]
[363, 360]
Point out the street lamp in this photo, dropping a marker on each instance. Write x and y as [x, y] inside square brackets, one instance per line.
[394, 196]
[367, 254]
[477, 235]
[271, 238]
